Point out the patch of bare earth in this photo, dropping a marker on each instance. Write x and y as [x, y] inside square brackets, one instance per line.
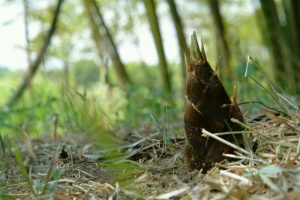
[81, 177]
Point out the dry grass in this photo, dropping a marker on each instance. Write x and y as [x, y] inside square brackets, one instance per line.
[79, 175]
[272, 171]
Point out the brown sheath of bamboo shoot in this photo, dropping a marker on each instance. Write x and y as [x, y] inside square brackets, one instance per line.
[207, 106]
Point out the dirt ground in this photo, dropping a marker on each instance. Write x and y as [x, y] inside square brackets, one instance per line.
[75, 169]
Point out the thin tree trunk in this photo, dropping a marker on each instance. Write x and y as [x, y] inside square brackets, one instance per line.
[222, 43]
[292, 36]
[27, 40]
[274, 37]
[104, 32]
[66, 73]
[104, 77]
[35, 65]
[97, 39]
[180, 34]
[153, 20]
[27, 37]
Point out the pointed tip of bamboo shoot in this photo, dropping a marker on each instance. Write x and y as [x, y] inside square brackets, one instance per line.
[202, 49]
[197, 53]
[195, 49]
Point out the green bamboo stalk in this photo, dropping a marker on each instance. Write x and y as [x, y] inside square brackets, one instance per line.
[180, 34]
[153, 21]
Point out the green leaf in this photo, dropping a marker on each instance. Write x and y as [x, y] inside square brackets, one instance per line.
[124, 171]
[56, 173]
[22, 167]
[271, 171]
[268, 172]
[269, 182]
[6, 197]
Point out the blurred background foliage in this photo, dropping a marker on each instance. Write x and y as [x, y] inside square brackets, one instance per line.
[89, 77]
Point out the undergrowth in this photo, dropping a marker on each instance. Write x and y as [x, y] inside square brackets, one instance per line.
[103, 112]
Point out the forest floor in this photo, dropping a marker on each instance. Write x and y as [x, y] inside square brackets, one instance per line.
[73, 169]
